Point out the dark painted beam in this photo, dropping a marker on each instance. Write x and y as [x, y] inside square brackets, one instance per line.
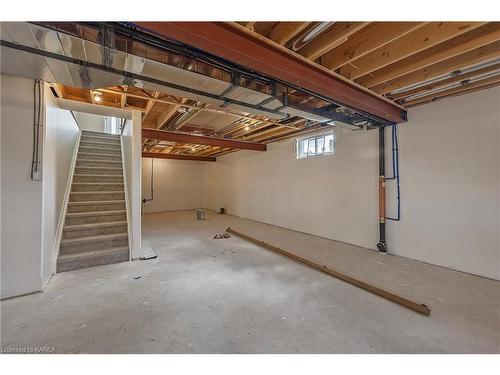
[160, 155]
[169, 136]
[242, 47]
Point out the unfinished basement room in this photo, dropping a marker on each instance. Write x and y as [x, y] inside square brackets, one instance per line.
[271, 187]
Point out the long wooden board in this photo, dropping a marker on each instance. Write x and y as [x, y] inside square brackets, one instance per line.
[420, 308]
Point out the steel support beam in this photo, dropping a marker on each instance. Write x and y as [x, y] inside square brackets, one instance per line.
[169, 136]
[240, 46]
[161, 155]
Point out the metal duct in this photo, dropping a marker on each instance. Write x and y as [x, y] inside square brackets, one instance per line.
[98, 56]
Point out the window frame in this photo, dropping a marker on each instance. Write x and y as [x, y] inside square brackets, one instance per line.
[307, 139]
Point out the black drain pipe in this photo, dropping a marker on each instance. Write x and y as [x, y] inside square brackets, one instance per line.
[381, 246]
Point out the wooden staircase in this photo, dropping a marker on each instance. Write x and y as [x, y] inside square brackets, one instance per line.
[95, 229]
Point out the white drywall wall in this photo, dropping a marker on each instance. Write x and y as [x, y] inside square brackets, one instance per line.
[450, 186]
[60, 136]
[178, 185]
[327, 196]
[31, 209]
[21, 231]
[131, 147]
[90, 122]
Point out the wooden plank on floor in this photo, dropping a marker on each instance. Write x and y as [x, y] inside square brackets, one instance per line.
[420, 308]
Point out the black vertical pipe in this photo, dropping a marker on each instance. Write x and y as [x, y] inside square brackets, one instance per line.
[381, 246]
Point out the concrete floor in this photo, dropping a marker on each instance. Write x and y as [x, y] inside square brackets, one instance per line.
[228, 296]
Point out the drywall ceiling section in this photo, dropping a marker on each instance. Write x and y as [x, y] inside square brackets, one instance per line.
[23, 64]
[73, 105]
[211, 120]
[153, 75]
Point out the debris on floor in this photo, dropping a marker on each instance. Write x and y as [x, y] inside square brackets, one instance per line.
[222, 236]
[137, 277]
[200, 214]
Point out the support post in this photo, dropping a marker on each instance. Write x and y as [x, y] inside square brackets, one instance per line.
[381, 246]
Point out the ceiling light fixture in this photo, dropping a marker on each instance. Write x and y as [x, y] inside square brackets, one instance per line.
[97, 96]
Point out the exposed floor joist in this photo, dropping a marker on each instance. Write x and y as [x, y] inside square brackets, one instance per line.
[447, 81]
[479, 37]
[485, 53]
[411, 63]
[422, 38]
[380, 55]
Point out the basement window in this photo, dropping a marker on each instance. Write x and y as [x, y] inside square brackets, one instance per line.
[318, 145]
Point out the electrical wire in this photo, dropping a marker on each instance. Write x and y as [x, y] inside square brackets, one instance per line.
[395, 172]
[37, 116]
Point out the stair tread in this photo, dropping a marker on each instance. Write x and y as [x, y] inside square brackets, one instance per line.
[101, 237]
[95, 213]
[100, 133]
[92, 153]
[91, 253]
[94, 225]
[95, 202]
[100, 140]
[81, 166]
[99, 161]
[98, 136]
[115, 152]
[94, 175]
[103, 148]
[109, 146]
[98, 192]
[96, 183]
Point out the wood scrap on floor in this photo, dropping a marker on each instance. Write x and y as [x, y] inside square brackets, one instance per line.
[420, 308]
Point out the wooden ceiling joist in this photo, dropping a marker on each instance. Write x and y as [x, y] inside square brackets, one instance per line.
[284, 31]
[446, 81]
[248, 24]
[482, 84]
[482, 54]
[366, 40]
[164, 155]
[410, 63]
[162, 135]
[422, 38]
[334, 36]
[166, 115]
[476, 38]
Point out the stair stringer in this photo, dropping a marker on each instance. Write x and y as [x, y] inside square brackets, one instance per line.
[64, 207]
[127, 203]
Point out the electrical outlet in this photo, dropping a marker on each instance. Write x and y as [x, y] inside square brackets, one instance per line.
[36, 175]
